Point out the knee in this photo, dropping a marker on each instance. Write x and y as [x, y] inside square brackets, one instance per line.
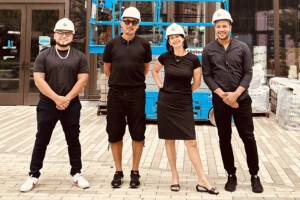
[42, 138]
[169, 142]
[114, 138]
[138, 137]
[190, 143]
[42, 142]
[72, 136]
[115, 134]
[248, 137]
[73, 139]
[72, 130]
[225, 138]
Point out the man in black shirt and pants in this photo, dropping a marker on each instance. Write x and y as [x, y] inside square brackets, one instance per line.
[60, 73]
[126, 63]
[227, 71]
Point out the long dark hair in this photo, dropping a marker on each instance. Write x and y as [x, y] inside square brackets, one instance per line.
[170, 48]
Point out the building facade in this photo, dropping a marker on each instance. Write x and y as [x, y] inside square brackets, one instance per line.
[269, 27]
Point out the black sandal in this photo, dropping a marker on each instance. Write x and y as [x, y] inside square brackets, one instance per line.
[175, 187]
[213, 190]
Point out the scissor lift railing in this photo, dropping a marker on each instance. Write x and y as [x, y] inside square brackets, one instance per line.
[110, 6]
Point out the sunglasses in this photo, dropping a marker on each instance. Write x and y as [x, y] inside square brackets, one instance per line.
[67, 34]
[133, 22]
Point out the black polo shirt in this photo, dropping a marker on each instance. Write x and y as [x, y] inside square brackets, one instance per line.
[127, 61]
[227, 69]
[60, 74]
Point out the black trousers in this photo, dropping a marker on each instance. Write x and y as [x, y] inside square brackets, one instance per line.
[242, 117]
[47, 117]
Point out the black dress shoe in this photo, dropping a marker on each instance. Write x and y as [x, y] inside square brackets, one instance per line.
[256, 184]
[230, 186]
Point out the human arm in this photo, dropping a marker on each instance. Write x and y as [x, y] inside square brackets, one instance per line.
[60, 101]
[208, 74]
[155, 73]
[107, 68]
[246, 77]
[196, 78]
[247, 70]
[146, 70]
[231, 97]
[82, 80]
[147, 57]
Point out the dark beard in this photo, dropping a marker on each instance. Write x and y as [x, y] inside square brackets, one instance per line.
[63, 45]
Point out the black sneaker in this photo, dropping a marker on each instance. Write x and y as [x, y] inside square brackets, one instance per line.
[117, 181]
[230, 186]
[256, 185]
[135, 179]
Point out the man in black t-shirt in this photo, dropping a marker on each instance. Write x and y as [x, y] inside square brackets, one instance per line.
[126, 63]
[60, 73]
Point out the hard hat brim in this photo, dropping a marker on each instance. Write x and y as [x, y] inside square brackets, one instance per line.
[230, 21]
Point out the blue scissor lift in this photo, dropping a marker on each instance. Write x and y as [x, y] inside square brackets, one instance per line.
[202, 100]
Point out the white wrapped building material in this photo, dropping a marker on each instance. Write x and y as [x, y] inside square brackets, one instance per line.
[260, 99]
[258, 78]
[260, 57]
[276, 83]
[288, 109]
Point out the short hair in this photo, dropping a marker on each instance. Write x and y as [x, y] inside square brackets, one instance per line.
[170, 48]
[223, 20]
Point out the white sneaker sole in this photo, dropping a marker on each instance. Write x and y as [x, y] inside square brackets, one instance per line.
[81, 187]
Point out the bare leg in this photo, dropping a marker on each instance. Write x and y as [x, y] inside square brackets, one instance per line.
[194, 155]
[116, 149]
[171, 154]
[137, 150]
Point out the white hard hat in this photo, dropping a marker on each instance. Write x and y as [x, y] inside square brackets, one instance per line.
[64, 24]
[221, 14]
[174, 29]
[132, 12]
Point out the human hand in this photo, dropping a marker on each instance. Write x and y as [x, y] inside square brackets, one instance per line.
[234, 105]
[62, 102]
[223, 95]
[230, 98]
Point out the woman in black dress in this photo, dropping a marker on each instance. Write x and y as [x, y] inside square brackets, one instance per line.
[175, 117]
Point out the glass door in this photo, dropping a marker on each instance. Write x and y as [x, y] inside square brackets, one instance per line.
[21, 26]
[12, 45]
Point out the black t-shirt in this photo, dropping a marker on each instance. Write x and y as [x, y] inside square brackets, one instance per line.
[127, 61]
[178, 75]
[60, 74]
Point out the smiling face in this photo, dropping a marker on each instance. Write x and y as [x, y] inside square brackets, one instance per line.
[63, 38]
[176, 41]
[129, 26]
[223, 29]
